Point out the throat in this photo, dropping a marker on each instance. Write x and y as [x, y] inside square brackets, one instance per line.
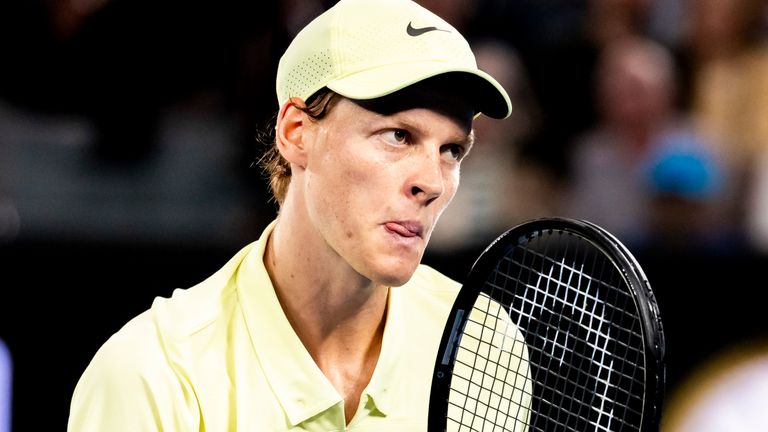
[349, 362]
[350, 382]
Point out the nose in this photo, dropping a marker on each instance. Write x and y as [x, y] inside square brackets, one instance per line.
[426, 182]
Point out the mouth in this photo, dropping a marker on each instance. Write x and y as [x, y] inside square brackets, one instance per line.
[405, 228]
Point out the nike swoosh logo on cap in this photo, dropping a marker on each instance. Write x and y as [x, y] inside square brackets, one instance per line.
[412, 31]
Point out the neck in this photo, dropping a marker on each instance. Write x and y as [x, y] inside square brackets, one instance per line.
[321, 294]
[338, 314]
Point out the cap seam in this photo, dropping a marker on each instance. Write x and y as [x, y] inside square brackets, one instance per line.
[336, 60]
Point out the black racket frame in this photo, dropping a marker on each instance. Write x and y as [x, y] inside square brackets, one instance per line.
[653, 333]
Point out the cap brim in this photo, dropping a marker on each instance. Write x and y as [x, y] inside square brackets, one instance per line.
[489, 97]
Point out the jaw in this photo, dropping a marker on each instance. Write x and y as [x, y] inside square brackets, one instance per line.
[396, 261]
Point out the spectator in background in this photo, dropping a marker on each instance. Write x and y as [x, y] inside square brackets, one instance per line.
[609, 20]
[729, 63]
[725, 392]
[685, 184]
[728, 52]
[560, 42]
[635, 85]
[500, 186]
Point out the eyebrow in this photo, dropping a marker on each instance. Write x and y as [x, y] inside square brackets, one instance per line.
[408, 124]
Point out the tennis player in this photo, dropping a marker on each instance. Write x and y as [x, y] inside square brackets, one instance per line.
[328, 321]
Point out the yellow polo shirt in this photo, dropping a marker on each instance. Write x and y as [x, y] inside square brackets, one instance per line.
[221, 356]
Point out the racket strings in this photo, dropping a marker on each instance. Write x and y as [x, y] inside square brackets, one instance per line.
[581, 317]
[490, 386]
[594, 321]
[582, 364]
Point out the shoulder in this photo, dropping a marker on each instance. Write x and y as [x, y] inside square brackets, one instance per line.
[192, 309]
[428, 285]
[177, 317]
[430, 279]
[143, 377]
[128, 383]
[135, 350]
[175, 321]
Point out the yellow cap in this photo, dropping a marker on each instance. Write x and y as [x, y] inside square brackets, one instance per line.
[365, 49]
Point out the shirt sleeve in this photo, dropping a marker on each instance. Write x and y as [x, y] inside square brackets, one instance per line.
[130, 386]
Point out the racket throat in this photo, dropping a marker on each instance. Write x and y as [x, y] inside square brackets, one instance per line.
[455, 337]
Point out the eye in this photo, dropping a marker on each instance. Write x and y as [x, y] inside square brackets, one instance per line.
[397, 136]
[454, 152]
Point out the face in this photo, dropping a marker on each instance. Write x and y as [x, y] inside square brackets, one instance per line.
[375, 184]
[635, 85]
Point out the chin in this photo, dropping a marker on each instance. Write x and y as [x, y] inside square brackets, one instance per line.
[395, 281]
[396, 274]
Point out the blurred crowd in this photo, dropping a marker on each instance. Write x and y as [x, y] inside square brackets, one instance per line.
[647, 117]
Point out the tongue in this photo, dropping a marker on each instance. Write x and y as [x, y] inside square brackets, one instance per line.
[399, 229]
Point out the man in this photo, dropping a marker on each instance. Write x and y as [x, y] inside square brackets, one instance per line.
[327, 322]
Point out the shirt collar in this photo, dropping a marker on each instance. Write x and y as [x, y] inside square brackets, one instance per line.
[382, 388]
[299, 385]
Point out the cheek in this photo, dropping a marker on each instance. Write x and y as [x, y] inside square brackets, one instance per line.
[339, 187]
[451, 184]
[360, 176]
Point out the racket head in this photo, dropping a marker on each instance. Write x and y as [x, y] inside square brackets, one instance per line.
[594, 342]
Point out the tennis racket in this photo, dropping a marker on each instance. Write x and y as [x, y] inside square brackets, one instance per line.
[555, 329]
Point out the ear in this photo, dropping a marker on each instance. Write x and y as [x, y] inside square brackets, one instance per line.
[289, 133]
